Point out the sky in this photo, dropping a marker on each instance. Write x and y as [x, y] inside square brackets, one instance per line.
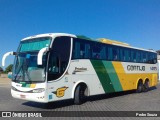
[136, 22]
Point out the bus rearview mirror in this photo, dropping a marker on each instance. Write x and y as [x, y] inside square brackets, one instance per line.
[6, 55]
[40, 55]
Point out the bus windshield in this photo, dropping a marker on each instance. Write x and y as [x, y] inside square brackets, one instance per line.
[25, 67]
[34, 44]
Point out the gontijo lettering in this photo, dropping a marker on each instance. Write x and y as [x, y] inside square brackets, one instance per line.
[135, 68]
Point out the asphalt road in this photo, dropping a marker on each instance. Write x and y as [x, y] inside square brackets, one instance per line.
[124, 101]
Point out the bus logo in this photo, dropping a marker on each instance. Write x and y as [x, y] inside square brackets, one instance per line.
[79, 70]
[60, 91]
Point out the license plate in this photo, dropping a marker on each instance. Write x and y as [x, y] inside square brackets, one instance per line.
[23, 96]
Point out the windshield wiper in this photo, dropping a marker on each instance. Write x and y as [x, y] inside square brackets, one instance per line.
[26, 71]
[23, 67]
[18, 72]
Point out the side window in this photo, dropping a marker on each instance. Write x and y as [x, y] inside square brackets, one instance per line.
[81, 49]
[149, 58]
[154, 60]
[87, 50]
[127, 55]
[122, 54]
[99, 51]
[133, 56]
[138, 56]
[76, 50]
[115, 53]
[110, 54]
[58, 57]
[144, 57]
[96, 51]
[103, 52]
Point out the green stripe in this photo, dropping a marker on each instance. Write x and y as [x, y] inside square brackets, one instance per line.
[28, 85]
[24, 84]
[113, 75]
[103, 76]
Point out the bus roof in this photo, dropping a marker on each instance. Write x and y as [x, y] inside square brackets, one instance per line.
[118, 43]
[100, 40]
[108, 41]
[49, 35]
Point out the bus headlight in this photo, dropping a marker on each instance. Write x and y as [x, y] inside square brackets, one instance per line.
[39, 90]
[13, 88]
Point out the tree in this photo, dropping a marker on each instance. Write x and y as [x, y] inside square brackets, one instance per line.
[1, 69]
[9, 68]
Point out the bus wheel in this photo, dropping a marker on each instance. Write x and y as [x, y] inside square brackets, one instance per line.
[139, 87]
[80, 96]
[146, 86]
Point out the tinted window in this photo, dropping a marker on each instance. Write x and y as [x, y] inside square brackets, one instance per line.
[59, 57]
[85, 49]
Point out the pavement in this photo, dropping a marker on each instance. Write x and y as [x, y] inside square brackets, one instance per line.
[4, 80]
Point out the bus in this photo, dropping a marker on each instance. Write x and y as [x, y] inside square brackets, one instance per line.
[59, 66]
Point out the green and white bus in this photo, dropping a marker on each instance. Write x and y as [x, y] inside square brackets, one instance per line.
[59, 66]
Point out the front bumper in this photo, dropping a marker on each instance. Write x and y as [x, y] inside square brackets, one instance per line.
[36, 97]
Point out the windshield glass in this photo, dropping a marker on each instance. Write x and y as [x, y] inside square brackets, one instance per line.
[34, 44]
[25, 66]
[59, 57]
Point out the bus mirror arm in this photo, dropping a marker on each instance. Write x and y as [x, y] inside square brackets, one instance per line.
[6, 55]
[40, 55]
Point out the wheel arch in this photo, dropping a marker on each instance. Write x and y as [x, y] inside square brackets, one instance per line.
[139, 80]
[147, 79]
[79, 83]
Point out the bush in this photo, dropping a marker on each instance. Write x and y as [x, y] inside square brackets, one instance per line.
[8, 69]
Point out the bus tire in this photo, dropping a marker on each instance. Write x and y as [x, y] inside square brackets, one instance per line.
[146, 86]
[139, 87]
[80, 96]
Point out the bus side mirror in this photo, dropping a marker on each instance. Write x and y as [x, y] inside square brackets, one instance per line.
[6, 55]
[40, 55]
